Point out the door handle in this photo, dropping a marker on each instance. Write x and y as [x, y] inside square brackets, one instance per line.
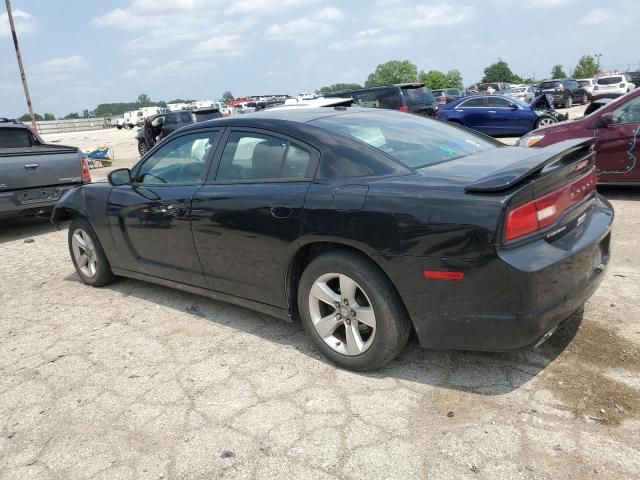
[31, 166]
[280, 211]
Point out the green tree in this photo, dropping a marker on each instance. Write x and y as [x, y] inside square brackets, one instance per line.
[499, 72]
[177, 100]
[454, 79]
[587, 67]
[27, 118]
[227, 97]
[71, 116]
[433, 79]
[48, 116]
[144, 100]
[395, 71]
[558, 72]
[336, 87]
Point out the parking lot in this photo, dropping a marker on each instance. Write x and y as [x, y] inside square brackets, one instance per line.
[140, 381]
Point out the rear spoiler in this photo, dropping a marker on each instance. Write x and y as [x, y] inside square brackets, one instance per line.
[539, 158]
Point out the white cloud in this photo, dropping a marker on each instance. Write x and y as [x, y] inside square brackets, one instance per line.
[329, 13]
[301, 30]
[547, 3]
[260, 7]
[219, 45]
[596, 17]
[22, 20]
[422, 15]
[64, 65]
[370, 37]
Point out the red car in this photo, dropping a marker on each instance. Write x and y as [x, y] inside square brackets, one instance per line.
[616, 126]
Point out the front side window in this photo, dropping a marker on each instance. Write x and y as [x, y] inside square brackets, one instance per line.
[254, 156]
[180, 161]
[629, 112]
[411, 140]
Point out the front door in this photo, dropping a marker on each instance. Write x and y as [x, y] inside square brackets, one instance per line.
[618, 145]
[248, 217]
[150, 219]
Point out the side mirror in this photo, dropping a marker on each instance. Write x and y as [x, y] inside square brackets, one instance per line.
[606, 119]
[121, 176]
[513, 106]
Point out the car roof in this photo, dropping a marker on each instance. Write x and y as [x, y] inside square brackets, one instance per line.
[10, 123]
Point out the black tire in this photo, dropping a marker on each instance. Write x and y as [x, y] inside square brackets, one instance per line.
[584, 99]
[568, 103]
[119, 127]
[392, 323]
[103, 274]
[143, 148]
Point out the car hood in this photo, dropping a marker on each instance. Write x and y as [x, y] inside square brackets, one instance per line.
[542, 102]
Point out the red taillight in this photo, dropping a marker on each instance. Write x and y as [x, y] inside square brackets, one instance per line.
[622, 85]
[84, 164]
[404, 108]
[442, 275]
[595, 87]
[544, 211]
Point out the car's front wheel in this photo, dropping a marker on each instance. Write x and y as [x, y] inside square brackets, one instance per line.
[568, 103]
[545, 122]
[87, 255]
[143, 148]
[351, 311]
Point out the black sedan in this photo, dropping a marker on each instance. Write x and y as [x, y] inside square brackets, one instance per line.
[363, 224]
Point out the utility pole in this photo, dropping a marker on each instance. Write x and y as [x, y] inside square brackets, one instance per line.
[20, 65]
[598, 55]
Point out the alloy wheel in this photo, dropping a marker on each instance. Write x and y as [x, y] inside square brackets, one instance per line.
[84, 253]
[545, 122]
[342, 314]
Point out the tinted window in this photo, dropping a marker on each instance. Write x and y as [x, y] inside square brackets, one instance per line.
[453, 91]
[546, 85]
[253, 156]
[15, 138]
[437, 93]
[483, 87]
[411, 140]
[388, 98]
[629, 112]
[609, 80]
[473, 102]
[180, 161]
[584, 83]
[497, 102]
[418, 96]
[207, 115]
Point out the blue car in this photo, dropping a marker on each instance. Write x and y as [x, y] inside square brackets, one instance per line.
[498, 115]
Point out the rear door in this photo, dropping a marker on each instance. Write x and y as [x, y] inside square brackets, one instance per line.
[248, 217]
[618, 145]
[473, 113]
[150, 219]
[503, 119]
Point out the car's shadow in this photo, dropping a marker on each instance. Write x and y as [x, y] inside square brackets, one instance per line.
[619, 192]
[22, 228]
[476, 372]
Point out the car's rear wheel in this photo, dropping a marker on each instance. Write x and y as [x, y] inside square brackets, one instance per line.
[568, 103]
[545, 122]
[143, 148]
[87, 255]
[584, 99]
[351, 311]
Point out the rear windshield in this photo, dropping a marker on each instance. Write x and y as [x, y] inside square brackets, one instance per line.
[418, 96]
[610, 80]
[483, 87]
[584, 83]
[380, 98]
[437, 93]
[15, 138]
[550, 84]
[412, 140]
[202, 116]
[453, 91]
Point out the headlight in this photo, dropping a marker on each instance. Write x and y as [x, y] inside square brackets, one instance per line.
[529, 141]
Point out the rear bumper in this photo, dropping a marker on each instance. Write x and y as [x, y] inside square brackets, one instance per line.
[508, 301]
[31, 201]
[598, 95]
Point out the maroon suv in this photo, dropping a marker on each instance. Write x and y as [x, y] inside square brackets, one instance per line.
[616, 126]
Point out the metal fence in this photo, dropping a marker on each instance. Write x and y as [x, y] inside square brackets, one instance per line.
[81, 124]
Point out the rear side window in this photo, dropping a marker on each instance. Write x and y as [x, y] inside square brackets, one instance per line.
[15, 138]
[610, 80]
[545, 85]
[417, 96]
[254, 156]
[473, 102]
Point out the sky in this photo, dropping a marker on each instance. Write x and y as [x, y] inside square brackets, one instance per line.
[80, 53]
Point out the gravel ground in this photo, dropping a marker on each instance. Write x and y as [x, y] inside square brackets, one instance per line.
[140, 381]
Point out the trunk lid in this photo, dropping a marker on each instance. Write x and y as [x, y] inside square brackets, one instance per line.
[39, 166]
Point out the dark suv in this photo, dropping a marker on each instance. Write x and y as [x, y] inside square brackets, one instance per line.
[164, 124]
[406, 97]
[564, 92]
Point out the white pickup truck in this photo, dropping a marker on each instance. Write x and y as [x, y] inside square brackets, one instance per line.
[34, 174]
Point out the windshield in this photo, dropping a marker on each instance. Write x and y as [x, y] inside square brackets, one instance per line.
[418, 96]
[412, 140]
[550, 84]
[609, 80]
[584, 83]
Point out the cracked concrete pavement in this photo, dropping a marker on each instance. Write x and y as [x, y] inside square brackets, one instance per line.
[139, 381]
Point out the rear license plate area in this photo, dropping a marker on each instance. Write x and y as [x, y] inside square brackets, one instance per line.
[36, 195]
